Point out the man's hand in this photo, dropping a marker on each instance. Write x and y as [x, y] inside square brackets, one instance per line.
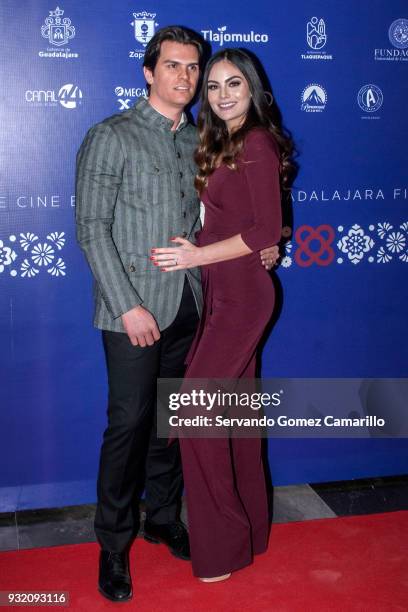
[140, 326]
[269, 256]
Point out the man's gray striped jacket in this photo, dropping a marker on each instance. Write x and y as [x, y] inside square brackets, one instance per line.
[134, 190]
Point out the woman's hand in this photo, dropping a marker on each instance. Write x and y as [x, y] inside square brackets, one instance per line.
[170, 259]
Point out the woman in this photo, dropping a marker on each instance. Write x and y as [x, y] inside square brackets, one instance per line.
[243, 162]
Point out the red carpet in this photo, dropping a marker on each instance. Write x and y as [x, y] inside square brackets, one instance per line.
[345, 564]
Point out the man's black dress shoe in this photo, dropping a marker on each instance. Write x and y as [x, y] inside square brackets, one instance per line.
[173, 534]
[114, 578]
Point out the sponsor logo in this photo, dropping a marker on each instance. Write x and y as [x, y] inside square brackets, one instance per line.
[314, 98]
[221, 36]
[144, 27]
[127, 95]
[69, 96]
[398, 37]
[370, 98]
[316, 33]
[58, 31]
[398, 33]
[316, 38]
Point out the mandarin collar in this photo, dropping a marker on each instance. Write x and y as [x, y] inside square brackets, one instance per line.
[152, 117]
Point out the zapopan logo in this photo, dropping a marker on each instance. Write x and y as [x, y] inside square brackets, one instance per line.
[370, 98]
[144, 26]
[222, 36]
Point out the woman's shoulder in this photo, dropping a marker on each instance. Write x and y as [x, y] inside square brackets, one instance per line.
[260, 139]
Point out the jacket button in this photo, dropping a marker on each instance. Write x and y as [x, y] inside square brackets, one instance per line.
[132, 268]
[182, 194]
[184, 234]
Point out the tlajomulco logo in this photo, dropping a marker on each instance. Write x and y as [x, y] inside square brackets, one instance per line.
[58, 30]
[221, 36]
[398, 37]
[314, 98]
[370, 99]
[316, 37]
[144, 27]
[127, 95]
[69, 96]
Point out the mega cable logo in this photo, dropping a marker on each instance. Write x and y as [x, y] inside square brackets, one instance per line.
[127, 95]
[221, 36]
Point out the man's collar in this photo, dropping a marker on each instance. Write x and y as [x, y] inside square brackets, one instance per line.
[152, 117]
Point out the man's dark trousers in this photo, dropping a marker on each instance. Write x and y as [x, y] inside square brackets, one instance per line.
[131, 453]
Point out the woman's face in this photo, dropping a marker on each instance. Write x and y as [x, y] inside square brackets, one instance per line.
[228, 94]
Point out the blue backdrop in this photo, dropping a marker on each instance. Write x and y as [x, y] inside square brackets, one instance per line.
[340, 79]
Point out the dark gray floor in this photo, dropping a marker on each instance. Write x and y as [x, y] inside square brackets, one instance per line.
[365, 496]
[74, 524]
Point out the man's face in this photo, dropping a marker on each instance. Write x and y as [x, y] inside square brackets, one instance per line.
[174, 80]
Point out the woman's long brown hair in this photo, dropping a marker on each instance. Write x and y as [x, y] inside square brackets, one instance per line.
[218, 146]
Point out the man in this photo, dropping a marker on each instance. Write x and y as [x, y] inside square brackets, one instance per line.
[135, 175]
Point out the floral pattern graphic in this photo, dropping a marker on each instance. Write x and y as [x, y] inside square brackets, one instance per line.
[382, 256]
[286, 260]
[27, 240]
[28, 270]
[28, 255]
[35, 255]
[7, 256]
[58, 269]
[383, 229]
[355, 244]
[379, 243]
[395, 242]
[42, 254]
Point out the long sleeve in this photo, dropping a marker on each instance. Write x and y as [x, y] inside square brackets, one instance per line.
[260, 166]
[100, 164]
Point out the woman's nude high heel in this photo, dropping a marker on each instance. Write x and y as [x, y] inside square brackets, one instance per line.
[216, 578]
